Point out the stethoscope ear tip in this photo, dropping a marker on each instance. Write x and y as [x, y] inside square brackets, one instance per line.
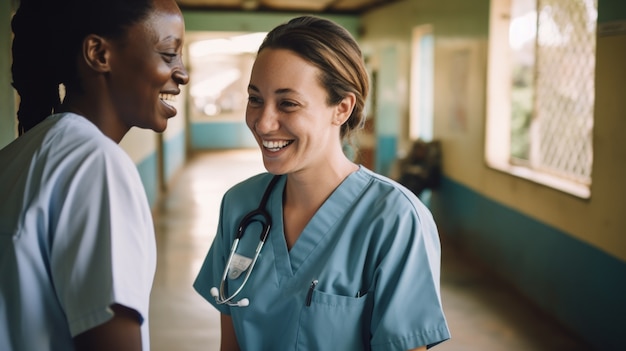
[214, 292]
[243, 302]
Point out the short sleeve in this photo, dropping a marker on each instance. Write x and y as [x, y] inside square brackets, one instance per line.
[408, 311]
[103, 249]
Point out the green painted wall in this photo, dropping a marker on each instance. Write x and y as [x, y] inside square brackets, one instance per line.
[8, 121]
[611, 10]
[252, 21]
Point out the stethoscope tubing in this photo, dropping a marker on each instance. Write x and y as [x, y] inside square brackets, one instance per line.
[222, 299]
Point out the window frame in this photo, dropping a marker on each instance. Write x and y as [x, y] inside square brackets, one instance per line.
[498, 121]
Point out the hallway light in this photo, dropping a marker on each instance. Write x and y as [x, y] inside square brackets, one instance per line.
[239, 44]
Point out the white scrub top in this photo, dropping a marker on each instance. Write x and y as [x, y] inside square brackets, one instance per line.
[76, 235]
[372, 248]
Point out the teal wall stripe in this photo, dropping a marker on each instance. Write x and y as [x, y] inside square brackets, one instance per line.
[556, 271]
[173, 155]
[148, 173]
[221, 135]
[386, 153]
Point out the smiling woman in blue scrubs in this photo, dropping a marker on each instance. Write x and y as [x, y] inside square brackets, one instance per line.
[352, 259]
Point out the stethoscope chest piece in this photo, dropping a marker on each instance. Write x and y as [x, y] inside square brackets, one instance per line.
[238, 265]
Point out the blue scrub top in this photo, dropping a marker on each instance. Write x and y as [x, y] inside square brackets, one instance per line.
[372, 248]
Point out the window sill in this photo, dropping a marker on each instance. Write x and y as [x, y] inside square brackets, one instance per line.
[576, 189]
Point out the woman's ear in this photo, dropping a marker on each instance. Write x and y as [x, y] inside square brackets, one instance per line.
[96, 53]
[344, 109]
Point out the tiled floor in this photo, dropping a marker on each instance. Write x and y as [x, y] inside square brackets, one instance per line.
[483, 314]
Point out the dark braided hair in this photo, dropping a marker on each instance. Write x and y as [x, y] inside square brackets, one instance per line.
[333, 50]
[48, 36]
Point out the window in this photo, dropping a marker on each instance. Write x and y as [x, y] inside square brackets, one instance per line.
[220, 65]
[541, 91]
[421, 102]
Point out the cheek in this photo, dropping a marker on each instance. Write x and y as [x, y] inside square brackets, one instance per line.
[153, 71]
[161, 74]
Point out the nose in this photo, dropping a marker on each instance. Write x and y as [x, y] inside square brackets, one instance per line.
[264, 119]
[180, 75]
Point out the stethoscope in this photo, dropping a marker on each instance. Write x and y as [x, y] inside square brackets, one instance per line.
[259, 215]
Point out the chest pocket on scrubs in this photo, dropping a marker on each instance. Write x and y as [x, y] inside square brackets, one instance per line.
[334, 322]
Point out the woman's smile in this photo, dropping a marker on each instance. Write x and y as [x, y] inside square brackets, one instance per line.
[276, 145]
[166, 99]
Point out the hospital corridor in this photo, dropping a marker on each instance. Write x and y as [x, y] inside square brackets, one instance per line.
[483, 313]
[509, 113]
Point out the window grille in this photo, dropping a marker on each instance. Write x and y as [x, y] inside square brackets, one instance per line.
[553, 86]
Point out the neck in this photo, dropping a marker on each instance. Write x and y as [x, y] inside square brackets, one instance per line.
[309, 190]
[93, 112]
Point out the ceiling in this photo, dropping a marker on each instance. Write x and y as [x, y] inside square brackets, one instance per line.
[307, 6]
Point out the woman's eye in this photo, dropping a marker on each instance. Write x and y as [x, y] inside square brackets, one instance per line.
[169, 56]
[253, 100]
[288, 104]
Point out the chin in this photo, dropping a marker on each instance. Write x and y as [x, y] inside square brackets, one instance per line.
[274, 167]
[158, 126]
[159, 130]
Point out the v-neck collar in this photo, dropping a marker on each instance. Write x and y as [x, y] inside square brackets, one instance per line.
[314, 236]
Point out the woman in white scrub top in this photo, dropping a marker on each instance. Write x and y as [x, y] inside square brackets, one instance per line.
[77, 245]
[352, 260]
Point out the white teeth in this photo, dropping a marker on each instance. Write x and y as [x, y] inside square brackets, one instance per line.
[275, 145]
[167, 97]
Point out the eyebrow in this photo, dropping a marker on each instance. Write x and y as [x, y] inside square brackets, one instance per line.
[277, 91]
[175, 39]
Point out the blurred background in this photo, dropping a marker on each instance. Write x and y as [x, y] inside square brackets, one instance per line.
[505, 117]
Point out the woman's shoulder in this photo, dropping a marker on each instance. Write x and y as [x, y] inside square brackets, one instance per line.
[391, 188]
[65, 139]
[75, 129]
[73, 141]
[384, 192]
